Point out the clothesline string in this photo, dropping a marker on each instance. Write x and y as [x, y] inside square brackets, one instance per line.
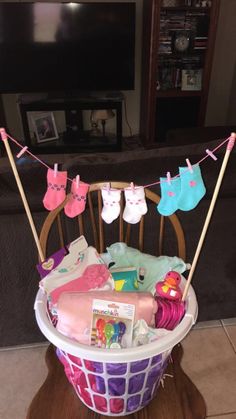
[32, 155]
[144, 186]
[199, 162]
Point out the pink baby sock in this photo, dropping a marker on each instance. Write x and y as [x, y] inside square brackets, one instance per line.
[56, 191]
[111, 204]
[77, 201]
[135, 204]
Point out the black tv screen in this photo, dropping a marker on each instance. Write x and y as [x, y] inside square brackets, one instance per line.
[66, 46]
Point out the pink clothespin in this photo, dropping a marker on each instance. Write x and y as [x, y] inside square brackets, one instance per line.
[212, 155]
[231, 142]
[23, 150]
[168, 178]
[189, 165]
[55, 170]
[77, 180]
[108, 187]
[3, 134]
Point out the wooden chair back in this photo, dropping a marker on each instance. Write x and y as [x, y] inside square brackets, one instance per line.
[156, 229]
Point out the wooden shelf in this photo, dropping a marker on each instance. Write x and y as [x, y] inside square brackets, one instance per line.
[158, 116]
[186, 8]
[178, 93]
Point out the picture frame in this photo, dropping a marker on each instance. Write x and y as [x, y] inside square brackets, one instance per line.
[191, 79]
[44, 127]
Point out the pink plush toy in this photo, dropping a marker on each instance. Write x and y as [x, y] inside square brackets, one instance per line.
[169, 288]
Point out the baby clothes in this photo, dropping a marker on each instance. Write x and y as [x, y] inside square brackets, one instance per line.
[56, 191]
[94, 276]
[111, 204]
[135, 204]
[72, 266]
[183, 192]
[77, 201]
[151, 268]
[169, 196]
[192, 188]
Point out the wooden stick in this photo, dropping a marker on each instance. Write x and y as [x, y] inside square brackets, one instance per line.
[22, 193]
[209, 214]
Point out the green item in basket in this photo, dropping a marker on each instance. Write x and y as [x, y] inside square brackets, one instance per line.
[125, 279]
[150, 269]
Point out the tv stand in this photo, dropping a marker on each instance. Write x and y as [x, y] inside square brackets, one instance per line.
[76, 135]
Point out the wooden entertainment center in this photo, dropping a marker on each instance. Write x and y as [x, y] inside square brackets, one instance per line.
[178, 46]
[75, 137]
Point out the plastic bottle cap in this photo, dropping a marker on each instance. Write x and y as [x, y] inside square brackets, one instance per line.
[115, 345]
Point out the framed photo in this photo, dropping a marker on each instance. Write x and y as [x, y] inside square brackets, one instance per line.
[191, 79]
[44, 127]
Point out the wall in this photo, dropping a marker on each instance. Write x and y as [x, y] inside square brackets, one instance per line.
[221, 100]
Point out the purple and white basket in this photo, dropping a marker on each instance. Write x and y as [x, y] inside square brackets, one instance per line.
[119, 381]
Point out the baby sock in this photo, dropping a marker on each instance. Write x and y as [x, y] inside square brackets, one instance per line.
[77, 201]
[56, 191]
[111, 204]
[135, 204]
[169, 196]
[192, 188]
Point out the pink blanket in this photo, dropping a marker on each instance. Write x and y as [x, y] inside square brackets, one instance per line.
[75, 310]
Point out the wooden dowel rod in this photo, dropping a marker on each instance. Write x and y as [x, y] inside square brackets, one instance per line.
[209, 213]
[22, 193]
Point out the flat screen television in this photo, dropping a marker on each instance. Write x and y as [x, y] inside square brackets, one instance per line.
[67, 47]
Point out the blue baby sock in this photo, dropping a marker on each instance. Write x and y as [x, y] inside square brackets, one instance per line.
[192, 188]
[169, 196]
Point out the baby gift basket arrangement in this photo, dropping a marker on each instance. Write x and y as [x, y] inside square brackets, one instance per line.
[111, 355]
[115, 316]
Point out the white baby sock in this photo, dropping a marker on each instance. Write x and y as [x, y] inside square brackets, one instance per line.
[111, 204]
[135, 204]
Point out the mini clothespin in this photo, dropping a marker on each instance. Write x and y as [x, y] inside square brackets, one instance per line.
[23, 150]
[55, 170]
[77, 180]
[189, 165]
[108, 187]
[231, 142]
[132, 187]
[212, 155]
[168, 178]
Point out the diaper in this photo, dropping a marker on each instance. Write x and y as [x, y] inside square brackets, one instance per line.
[74, 310]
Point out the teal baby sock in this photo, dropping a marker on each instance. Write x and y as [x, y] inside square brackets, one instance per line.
[192, 188]
[169, 196]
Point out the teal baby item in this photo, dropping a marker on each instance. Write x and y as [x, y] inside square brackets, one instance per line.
[192, 188]
[150, 269]
[169, 196]
[125, 279]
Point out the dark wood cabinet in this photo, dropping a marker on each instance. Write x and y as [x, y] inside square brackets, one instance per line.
[178, 47]
[73, 137]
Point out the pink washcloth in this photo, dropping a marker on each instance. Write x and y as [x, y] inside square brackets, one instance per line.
[94, 276]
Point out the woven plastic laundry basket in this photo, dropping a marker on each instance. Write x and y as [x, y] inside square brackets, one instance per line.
[119, 381]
